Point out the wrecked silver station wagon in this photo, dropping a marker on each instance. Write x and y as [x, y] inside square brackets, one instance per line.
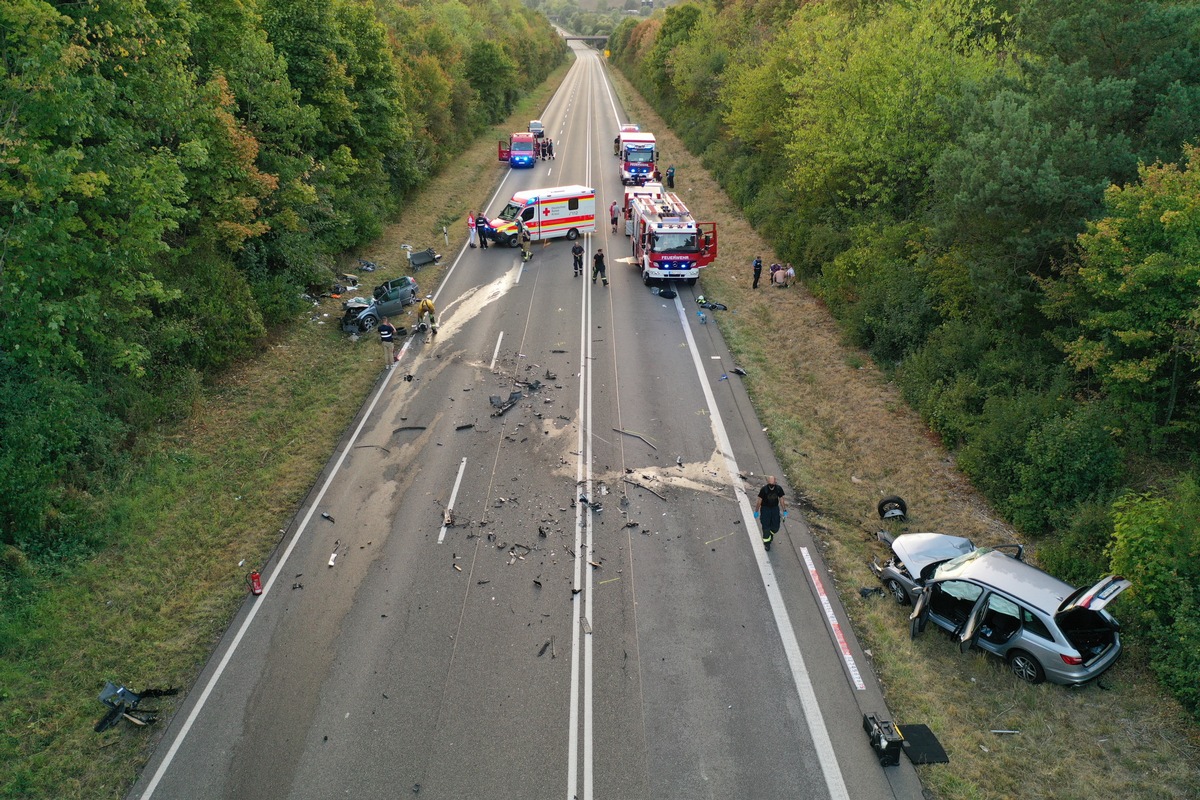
[1043, 628]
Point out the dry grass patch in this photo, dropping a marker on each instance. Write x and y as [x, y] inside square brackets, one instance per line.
[846, 439]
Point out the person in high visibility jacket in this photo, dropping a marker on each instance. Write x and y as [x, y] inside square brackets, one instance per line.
[427, 314]
[524, 238]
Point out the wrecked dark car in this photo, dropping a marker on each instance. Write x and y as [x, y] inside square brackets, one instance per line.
[388, 300]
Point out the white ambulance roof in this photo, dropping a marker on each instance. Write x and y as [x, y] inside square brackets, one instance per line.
[552, 193]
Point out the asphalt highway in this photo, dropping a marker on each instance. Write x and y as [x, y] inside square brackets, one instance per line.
[566, 599]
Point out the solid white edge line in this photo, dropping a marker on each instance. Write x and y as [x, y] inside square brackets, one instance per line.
[453, 494]
[815, 720]
[835, 627]
[233, 645]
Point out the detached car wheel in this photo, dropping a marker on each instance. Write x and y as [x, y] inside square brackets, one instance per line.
[1026, 667]
[898, 593]
[892, 507]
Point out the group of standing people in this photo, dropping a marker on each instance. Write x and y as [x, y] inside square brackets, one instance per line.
[477, 226]
[546, 148]
[599, 268]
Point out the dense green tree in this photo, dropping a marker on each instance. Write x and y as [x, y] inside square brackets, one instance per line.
[493, 77]
[174, 172]
[90, 177]
[1130, 301]
[1027, 171]
[677, 25]
[878, 102]
[1150, 43]
[1156, 545]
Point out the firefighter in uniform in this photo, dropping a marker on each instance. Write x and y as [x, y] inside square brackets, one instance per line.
[577, 256]
[524, 238]
[427, 314]
[771, 507]
[599, 268]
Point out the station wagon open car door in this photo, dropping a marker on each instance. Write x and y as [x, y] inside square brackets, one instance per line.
[920, 613]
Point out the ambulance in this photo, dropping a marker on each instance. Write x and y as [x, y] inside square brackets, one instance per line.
[547, 213]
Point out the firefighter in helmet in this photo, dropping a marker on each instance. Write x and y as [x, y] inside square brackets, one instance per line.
[427, 315]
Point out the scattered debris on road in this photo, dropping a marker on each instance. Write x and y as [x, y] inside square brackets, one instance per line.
[637, 436]
[501, 405]
[594, 505]
[642, 486]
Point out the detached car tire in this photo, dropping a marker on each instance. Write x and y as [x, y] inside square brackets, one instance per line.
[889, 506]
[1026, 667]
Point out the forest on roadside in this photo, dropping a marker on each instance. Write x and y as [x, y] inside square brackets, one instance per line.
[175, 174]
[1000, 201]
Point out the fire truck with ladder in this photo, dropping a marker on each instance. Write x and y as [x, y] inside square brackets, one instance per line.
[668, 244]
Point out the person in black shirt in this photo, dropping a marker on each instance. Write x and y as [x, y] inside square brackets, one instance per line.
[481, 225]
[598, 267]
[769, 510]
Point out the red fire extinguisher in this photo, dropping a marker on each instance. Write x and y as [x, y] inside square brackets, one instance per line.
[255, 581]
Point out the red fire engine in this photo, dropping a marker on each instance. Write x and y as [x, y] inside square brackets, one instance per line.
[668, 244]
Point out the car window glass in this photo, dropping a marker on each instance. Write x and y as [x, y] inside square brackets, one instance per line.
[1001, 620]
[961, 590]
[1002, 605]
[1034, 625]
